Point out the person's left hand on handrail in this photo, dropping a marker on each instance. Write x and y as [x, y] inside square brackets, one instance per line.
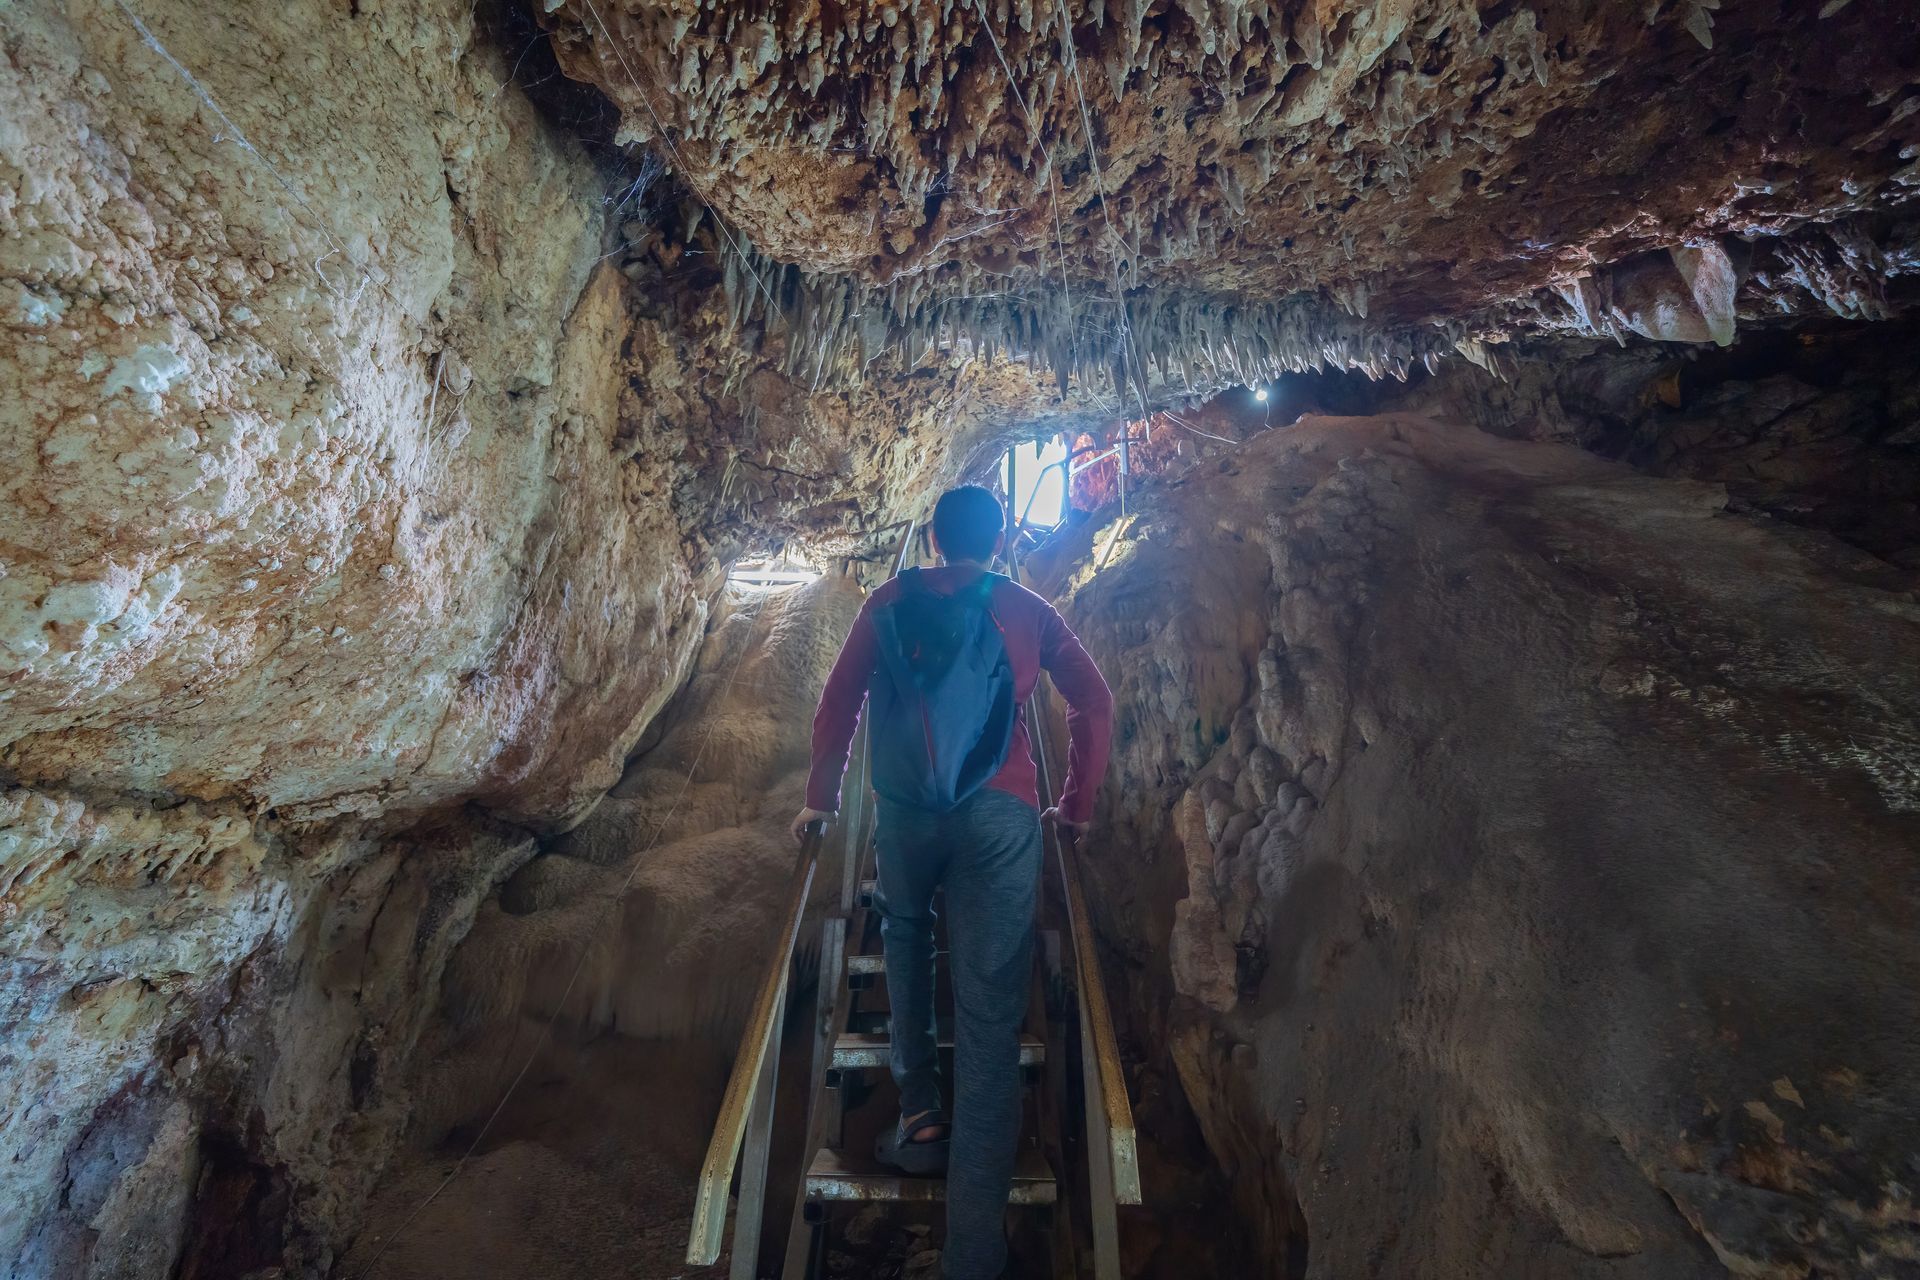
[805, 817]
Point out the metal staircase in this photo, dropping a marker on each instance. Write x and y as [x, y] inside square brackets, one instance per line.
[1076, 1159]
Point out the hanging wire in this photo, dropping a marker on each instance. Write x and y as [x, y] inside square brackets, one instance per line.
[1053, 178]
[1128, 348]
[334, 244]
[666, 139]
[1181, 422]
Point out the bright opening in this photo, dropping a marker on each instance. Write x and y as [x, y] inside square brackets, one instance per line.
[1041, 499]
[783, 570]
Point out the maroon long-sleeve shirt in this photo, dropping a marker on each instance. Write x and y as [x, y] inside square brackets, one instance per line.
[1036, 639]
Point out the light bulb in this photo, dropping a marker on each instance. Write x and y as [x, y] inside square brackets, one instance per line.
[1261, 395]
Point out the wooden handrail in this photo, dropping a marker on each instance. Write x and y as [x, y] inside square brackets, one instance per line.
[758, 1038]
[1106, 1044]
[1105, 1047]
[756, 1041]
[1097, 1014]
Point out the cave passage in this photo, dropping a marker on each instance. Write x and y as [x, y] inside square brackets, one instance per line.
[444, 447]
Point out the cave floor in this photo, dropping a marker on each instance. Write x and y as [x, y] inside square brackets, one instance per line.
[588, 1171]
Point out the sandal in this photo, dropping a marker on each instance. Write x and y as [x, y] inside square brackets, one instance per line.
[921, 1156]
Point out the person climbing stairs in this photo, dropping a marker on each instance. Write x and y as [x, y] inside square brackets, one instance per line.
[864, 1160]
[943, 659]
[928, 971]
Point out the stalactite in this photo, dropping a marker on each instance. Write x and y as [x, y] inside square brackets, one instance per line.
[1200, 342]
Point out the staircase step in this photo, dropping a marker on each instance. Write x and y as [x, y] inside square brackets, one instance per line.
[841, 1175]
[876, 962]
[852, 1052]
[873, 1022]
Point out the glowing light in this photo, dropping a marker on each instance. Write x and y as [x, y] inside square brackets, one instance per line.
[1261, 395]
[1043, 499]
[773, 577]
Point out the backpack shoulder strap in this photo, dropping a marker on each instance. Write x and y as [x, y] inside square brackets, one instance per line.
[988, 582]
[983, 596]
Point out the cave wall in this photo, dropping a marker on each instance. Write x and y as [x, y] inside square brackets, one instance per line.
[274, 461]
[1515, 857]
[686, 859]
[617, 970]
[298, 483]
[1816, 426]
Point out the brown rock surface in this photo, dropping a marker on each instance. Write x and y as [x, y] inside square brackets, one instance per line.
[1819, 428]
[205, 1028]
[686, 858]
[268, 460]
[1516, 855]
[301, 440]
[628, 955]
[1256, 177]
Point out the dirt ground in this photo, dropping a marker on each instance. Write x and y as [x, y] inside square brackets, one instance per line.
[589, 1171]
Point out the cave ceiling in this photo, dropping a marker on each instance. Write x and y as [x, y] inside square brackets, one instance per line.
[1273, 186]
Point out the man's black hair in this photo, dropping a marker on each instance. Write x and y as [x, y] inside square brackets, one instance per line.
[967, 522]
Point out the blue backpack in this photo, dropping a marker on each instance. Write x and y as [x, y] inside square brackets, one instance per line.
[941, 696]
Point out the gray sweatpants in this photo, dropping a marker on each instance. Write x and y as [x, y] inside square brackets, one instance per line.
[986, 853]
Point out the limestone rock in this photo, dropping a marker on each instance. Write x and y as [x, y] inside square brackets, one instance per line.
[299, 438]
[1610, 833]
[270, 459]
[687, 856]
[640, 937]
[1267, 186]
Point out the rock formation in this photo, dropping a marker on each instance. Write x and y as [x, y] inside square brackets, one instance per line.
[1513, 854]
[272, 559]
[350, 477]
[649, 922]
[1204, 192]
[1817, 429]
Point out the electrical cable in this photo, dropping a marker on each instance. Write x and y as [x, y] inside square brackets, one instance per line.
[1179, 421]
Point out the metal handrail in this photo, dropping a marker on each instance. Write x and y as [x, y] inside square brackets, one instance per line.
[1072, 471]
[1106, 1044]
[906, 546]
[756, 1042]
